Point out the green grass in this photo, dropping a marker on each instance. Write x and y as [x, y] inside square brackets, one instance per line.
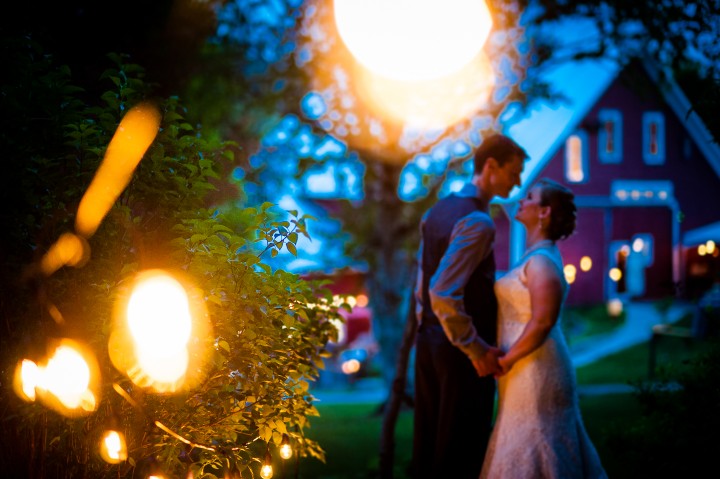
[350, 436]
[350, 433]
[632, 365]
[579, 322]
[601, 415]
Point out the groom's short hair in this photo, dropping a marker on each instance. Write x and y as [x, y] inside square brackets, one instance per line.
[500, 147]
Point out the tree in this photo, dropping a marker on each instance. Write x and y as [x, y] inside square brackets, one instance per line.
[269, 327]
[681, 36]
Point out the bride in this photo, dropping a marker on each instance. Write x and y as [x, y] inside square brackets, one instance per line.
[538, 431]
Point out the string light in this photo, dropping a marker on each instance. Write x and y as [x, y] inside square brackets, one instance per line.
[266, 471]
[286, 451]
[66, 379]
[154, 471]
[113, 448]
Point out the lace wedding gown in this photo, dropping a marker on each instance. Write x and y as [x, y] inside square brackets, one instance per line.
[538, 431]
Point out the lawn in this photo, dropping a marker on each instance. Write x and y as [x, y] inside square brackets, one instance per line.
[350, 433]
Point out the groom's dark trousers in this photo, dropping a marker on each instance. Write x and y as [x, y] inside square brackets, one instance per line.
[453, 406]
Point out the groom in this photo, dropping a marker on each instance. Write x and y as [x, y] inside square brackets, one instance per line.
[456, 313]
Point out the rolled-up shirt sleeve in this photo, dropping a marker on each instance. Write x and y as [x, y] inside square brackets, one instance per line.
[470, 242]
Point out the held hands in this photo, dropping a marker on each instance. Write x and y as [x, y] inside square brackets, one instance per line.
[504, 366]
[488, 364]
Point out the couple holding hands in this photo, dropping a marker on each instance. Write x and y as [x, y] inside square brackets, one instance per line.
[462, 313]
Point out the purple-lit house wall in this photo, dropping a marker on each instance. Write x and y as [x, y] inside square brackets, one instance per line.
[646, 176]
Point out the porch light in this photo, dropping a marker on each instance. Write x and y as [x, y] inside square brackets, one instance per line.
[710, 247]
[585, 263]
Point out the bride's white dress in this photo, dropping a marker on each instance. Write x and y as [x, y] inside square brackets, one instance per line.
[538, 432]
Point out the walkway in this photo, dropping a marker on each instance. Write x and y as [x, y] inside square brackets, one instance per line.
[637, 329]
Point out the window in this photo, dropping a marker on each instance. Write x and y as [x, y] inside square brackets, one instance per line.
[653, 138]
[576, 157]
[643, 244]
[610, 147]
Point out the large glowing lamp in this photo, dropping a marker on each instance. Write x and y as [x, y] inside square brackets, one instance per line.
[413, 40]
[158, 316]
[160, 331]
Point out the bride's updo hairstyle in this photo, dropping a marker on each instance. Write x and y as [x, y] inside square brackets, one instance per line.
[562, 208]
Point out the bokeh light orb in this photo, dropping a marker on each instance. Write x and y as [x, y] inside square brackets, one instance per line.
[413, 40]
[113, 448]
[66, 380]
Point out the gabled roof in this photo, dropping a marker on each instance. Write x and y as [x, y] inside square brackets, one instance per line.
[546, 126]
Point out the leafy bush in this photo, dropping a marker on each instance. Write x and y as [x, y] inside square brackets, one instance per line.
[269, 328]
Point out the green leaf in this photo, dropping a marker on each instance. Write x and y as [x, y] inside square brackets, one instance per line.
[291, 248]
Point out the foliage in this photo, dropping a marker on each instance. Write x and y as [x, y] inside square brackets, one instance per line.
[680, 35]
[269, 328]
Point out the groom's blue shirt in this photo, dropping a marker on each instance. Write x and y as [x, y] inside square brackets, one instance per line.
[470, 243]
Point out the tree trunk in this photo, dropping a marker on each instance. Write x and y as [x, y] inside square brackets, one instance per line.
[398, 394]
[390, 266]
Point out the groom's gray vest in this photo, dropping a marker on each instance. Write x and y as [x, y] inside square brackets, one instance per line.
[480, 301]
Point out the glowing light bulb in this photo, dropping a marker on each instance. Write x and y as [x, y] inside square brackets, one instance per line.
[67, 376]
[266, 471]
[286, 451]
[27, 378]
[113, 448]
[615, 274]
[133, 137]
[158, 315]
